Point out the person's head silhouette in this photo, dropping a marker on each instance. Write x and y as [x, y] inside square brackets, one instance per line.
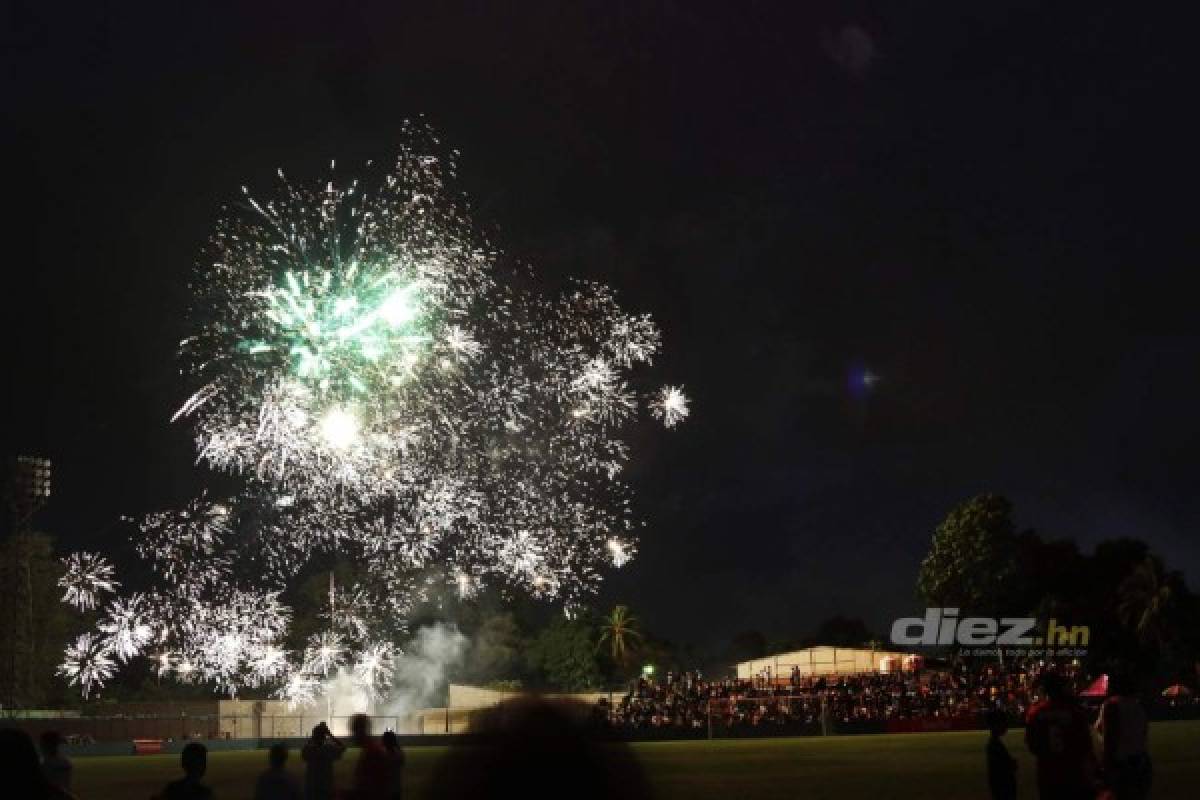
[1054, 687]
[194, 759]
[19, 760]
[360, 729]
[50, 742]
[277, 756]
[997, 722]
[390, 741]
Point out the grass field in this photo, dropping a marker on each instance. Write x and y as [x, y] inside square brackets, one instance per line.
[934, 765]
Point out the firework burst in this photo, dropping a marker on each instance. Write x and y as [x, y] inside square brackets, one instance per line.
[126, 626]
[88, 662]
[394, 394]
[87, 577]
[670, 406]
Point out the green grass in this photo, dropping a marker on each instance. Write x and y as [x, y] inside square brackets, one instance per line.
[934, 765]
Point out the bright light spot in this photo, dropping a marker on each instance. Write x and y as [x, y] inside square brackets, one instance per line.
[398, 308]
[671, 406]
[620, 555]
[339, 428]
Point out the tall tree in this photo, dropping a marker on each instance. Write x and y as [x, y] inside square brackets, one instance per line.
[620, 632]
[564, 656]
[495, 650]
[971, 562]
[1145, 598]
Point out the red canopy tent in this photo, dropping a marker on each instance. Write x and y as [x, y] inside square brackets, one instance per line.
[1098, 688]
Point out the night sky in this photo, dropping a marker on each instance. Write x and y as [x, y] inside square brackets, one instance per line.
[989, 206]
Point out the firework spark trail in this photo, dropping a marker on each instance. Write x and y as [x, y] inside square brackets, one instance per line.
[394, 395]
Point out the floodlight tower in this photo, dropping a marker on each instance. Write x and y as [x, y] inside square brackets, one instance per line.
[29, 489]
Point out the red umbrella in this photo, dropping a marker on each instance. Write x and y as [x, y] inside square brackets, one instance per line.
[1177, 690]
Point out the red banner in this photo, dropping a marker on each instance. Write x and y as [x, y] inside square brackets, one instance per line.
[146, 747]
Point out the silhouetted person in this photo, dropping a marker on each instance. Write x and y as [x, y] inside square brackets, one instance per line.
[373, 772]
[1001, 766]
[22, 770]
[319, 753]
[55, 765]
[1056, 731]
[194, 760]
[533, 750]
[276, 783]
[1125, 729]
[395, 754]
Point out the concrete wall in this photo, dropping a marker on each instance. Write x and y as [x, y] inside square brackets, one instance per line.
[467, 697]
[272, 719]
[818, 661]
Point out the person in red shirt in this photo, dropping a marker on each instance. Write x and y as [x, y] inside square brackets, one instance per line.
[1057, 733]
[373, 772]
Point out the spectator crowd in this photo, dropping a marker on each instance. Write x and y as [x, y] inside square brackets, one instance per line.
[815, 703]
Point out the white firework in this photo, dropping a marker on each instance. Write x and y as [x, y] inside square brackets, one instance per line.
[670, 406]
[619, 551]
[229, 641]
[267, 664]
[126, 626]
[87, 662]
[325, 653]
[386, 391]
[374, 667]
[461, 344]
[87, 577]
[300, 690]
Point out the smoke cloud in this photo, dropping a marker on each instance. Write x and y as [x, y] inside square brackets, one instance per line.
[418, 680]
[421, 670]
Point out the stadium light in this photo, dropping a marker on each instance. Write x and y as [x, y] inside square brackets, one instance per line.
[30, 487]
[648, 670]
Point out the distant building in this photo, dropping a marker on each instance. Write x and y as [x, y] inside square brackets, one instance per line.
[826, 661]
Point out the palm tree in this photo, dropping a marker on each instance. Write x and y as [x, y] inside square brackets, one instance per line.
[1144, 598]
[619, 629]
